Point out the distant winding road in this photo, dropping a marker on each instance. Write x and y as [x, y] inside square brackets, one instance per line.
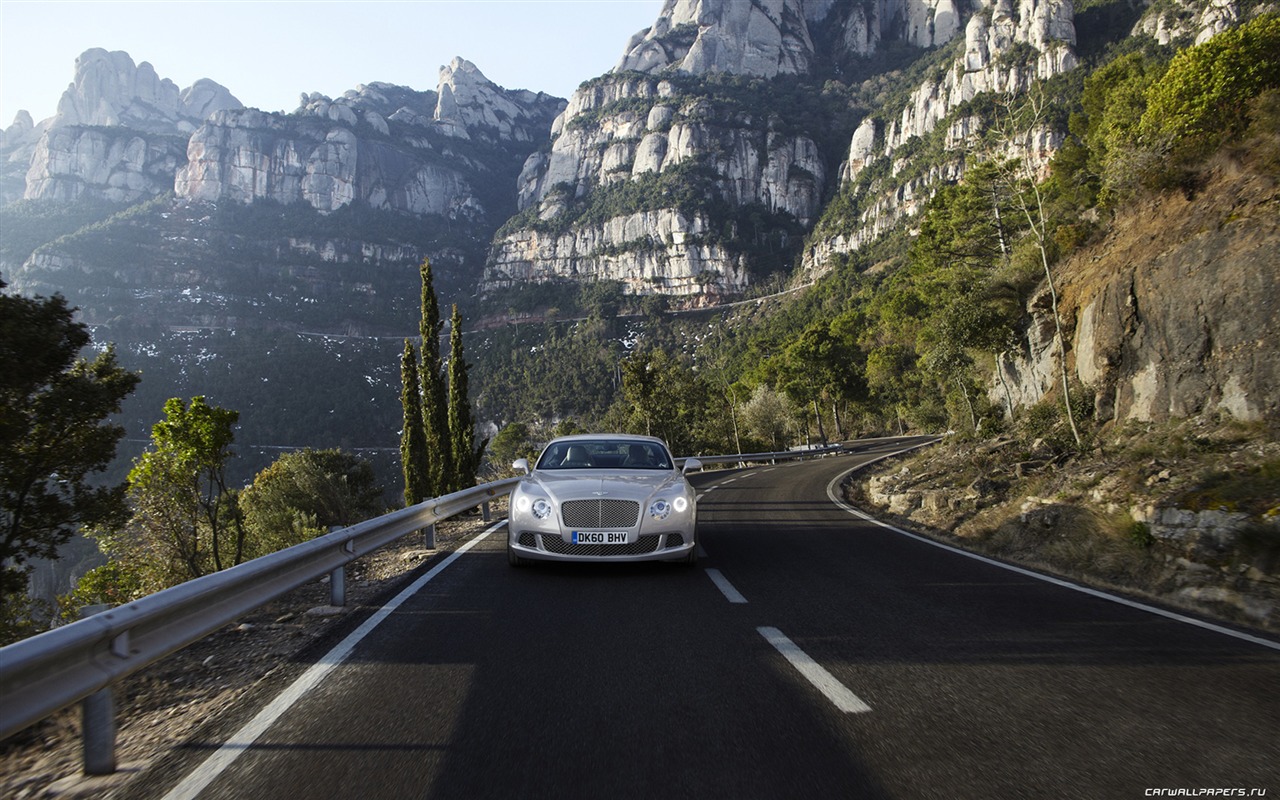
[810, 654]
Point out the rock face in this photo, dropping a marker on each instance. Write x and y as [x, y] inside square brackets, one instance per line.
[1188, 19]
[1007, 46]
[703, 36]
[656, 127]
[119, 133]
[662, 251]
[388, 146]
[110, 91]
[1150, 353]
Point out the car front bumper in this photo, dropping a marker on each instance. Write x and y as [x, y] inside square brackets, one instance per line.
[668, 546]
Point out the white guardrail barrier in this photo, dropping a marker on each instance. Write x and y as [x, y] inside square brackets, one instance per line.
[50, 671]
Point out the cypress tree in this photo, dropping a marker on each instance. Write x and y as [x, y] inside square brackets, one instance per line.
[461, 423]
[435, 409]
[413, 444]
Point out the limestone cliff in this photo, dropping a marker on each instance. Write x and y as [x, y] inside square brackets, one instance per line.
[1006, 46]
[674, 102]
[119, 133]
[388, 146]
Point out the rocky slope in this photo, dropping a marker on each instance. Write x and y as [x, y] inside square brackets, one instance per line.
[1154, 315]
[1141, 515]
[1171, 328]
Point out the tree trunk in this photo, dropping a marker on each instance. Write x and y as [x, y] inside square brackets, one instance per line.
[1008, 396]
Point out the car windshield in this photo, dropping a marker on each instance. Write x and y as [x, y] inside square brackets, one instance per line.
[605, 454]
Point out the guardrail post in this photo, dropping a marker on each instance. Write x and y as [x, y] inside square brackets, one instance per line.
[429, 536]
[338, 586]
[98, 712]
[98, 715]
[486, 514]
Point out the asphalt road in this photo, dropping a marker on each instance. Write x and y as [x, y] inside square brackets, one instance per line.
[810, 654]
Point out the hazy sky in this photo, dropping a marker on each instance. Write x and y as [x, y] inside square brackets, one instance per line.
[268, 52]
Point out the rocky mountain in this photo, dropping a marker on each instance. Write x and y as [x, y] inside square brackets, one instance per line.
[679, 109]
[242, 254]
[447, 158]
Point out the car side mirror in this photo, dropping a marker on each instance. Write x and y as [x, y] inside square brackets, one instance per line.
[691, 464]
[521, 465]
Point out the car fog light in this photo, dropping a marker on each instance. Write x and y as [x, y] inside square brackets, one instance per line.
[541, 508]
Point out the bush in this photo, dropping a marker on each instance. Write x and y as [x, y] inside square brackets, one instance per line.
[1204, 99]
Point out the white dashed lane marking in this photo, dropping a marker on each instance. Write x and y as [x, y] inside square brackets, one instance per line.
[722, 583]
[815, 673]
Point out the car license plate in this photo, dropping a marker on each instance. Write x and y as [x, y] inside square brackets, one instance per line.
[599, 537]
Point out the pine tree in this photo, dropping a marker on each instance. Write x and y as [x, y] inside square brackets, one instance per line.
[435, 409]
[461, 423]
[413, 443]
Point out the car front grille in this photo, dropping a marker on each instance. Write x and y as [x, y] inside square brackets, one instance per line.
[674, 540]
[554, 544]
[600, 513]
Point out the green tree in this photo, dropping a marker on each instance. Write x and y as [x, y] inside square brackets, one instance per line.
[640, 377]
[1112, 104]
[435, 401]
[304, 494]
[768, 417]
[413, 442]
[183, 509]
[466, 456]
[512, 442]
[663, 396]
[54, 433]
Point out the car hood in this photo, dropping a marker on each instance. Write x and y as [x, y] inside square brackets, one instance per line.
[583, 485]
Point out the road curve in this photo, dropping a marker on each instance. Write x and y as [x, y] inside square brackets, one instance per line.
[811, 654]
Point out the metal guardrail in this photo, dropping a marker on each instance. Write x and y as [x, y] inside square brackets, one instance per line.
[54, 669]
[768, 458]
[50, 671]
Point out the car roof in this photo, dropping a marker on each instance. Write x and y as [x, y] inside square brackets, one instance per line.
[598, 437]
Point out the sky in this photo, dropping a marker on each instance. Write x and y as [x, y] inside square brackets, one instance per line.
[268, 52]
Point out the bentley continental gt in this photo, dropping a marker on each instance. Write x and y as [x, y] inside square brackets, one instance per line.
[603, 497]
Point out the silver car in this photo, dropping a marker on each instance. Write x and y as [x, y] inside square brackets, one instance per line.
[603, 497]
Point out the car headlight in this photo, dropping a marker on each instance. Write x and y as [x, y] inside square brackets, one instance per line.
[659, 509]
[541, 508]
[681, 503]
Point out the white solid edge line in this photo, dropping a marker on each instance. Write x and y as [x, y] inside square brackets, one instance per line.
[815, 673]
[243, 739]
[1124, 601]
[722, 583]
